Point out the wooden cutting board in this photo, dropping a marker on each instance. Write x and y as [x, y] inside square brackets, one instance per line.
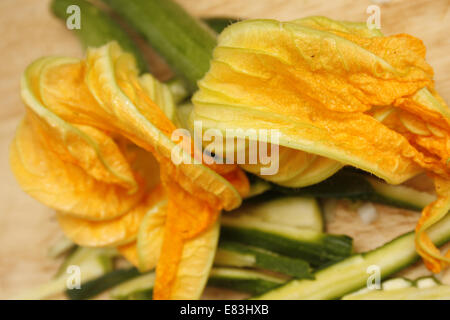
[27, 228]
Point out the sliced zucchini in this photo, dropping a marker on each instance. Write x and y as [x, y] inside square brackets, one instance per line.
[135, 288]
[360, 291]
[83, 254]
[93, 263]
[242, 280]
[291, 211]
[315, 247]
[408, 293]
[247, 256]
[350, 274]
[98, 285]
[400, 196]
[390, 284]
[356, 186]
[233, 258]
[396, 283]
[257, 186]
[141, 295]
[426, 282]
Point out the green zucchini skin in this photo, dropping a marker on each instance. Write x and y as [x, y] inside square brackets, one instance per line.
[252, 285]
[271, 261]
[295, 211]
[439, 292]
[96, 286]
[237, 279]
[79, 255]
[288, 234]
[184, 42]
[98, 28]
[322, 250]
[137, 288]
[347, 184]
[343, 184]
[426, 282]
[394, 284]
[93, 262]
[350, 274]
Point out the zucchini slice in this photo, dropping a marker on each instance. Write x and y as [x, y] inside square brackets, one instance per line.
[390, 284]
[137, 288]
[294, 211]
[84, 255]
[396, 283]
[96, 286]
[258, 186]
[242, 280]
[315, 247]
[350, 274]
[426, 282]
[400, 196]
[347, 184]
[236, 254]
[409, 293]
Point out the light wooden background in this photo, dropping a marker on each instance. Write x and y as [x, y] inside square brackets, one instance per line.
[28, 31]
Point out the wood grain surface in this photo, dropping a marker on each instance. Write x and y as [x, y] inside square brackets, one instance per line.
[28, 31]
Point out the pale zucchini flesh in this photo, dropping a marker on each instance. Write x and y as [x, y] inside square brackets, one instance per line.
[294, 211]
[426, 282]
[347, 184]
[134, 288]
[315, 247]
[262, 259]
[242, 280]
[394, 284]
[98, 285]
[237, 279]
[409, 293]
